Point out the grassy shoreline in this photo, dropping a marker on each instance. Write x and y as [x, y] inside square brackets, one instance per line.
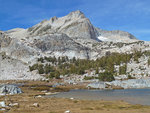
[27, 99]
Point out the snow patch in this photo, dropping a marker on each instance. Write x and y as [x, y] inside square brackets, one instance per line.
[102, 38]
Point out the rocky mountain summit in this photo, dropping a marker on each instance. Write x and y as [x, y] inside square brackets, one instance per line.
[75, 24]
[72, 36]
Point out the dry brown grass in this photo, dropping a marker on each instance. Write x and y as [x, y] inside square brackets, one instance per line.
[59, 105]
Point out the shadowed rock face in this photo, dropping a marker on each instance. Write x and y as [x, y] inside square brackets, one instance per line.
[60, 44]
[57, 42]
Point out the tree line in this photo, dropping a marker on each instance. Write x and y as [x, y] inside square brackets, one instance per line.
[53, 67]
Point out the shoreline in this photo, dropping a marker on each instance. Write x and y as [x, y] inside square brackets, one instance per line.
[31, 96]
[61, 84]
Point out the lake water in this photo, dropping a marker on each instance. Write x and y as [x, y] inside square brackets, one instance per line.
[133, 96]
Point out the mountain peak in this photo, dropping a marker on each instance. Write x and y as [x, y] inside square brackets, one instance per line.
[53, 19]
[75, 24]
[76, 14]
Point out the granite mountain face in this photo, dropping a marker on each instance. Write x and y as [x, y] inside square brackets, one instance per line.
[74, 24]
[72, 35]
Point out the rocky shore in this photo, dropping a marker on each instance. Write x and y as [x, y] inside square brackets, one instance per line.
[125, 84]
[31, 101]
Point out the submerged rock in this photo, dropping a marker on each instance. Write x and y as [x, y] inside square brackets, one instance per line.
[9, 89]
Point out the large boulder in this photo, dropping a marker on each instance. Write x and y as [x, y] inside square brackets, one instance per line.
[9, 89]
[97, 85]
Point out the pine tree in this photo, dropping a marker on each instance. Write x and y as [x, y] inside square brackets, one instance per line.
[97, 71]
[40, 69]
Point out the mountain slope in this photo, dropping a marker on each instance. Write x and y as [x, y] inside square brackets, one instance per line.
[72, 35]
[116, 36]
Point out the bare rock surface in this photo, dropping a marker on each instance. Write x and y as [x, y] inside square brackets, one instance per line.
[132, 83]
[13, 69]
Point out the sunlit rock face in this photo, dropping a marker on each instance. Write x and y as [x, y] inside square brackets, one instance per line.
[75, 24]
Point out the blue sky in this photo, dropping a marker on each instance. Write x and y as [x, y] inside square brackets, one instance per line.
[128, 15]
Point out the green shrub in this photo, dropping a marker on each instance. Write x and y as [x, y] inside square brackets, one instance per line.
[41, 60]
[130, 77]
[89, 78]
[106, 76]
[48, 68]
[122, 69]
[57, 75]
[34, 67]
[148, 61]
[52, 75]
[80, 71]
[41, 69]
[97, 71]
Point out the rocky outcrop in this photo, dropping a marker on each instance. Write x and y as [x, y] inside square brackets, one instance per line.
[4, 40]
[9, 89]
[61, 45]
[56, 42]
[121, 84]
[97, 85]
[131, 83]
[15, 48]
[14, 69]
